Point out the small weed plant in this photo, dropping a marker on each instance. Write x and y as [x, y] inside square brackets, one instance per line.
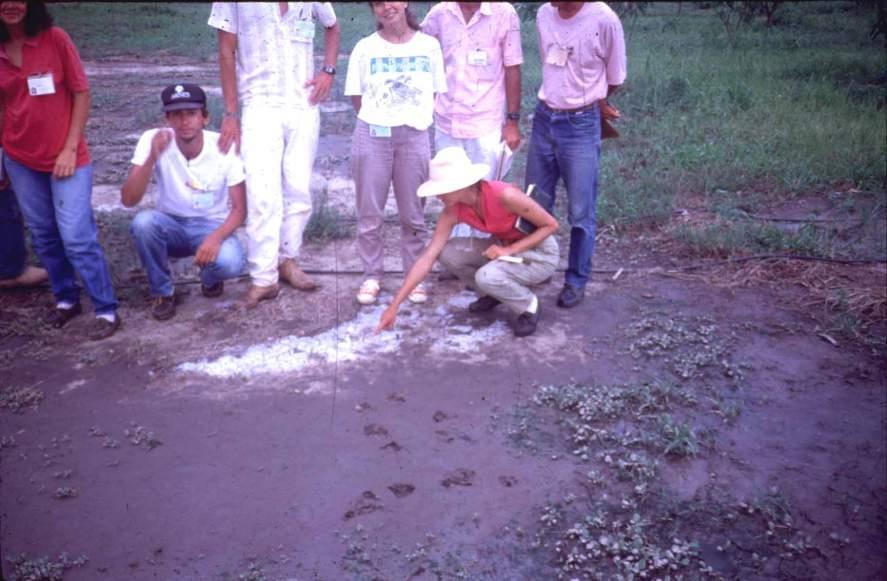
[43, 568]
[18, 399]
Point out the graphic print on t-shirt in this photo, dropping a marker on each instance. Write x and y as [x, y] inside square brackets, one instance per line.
[399, 90]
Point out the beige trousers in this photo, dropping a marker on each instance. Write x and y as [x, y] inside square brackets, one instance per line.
[378, 163]
[501, 280]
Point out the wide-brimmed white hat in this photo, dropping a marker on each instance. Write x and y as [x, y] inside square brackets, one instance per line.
[451, 170]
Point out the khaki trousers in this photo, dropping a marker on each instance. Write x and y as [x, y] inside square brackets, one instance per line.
[377, 163]
[501, 280]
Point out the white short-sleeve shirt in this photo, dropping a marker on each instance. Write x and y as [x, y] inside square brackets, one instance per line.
[196, 188]
[275, 54]
[396, 82]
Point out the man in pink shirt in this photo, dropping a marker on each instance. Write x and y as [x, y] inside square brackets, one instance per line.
[482, 53]
[583, 61]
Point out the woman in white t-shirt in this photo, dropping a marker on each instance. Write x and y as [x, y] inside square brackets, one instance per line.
[393, 76]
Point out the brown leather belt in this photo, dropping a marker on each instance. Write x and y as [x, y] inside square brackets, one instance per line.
[576, 110]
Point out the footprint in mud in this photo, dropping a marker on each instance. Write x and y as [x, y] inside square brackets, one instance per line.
[363, 407]
[401, 489]
[397, 397]
[393, 446]
[439, 416]
[459, 477]
[507, 481]
[366, 503]
[450, 438]
[374, 430]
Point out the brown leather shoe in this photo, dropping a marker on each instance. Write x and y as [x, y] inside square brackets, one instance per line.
[58, 318]
[256, 294]
[30, 276]
[214, 291]
[102, 328]
[294, 276]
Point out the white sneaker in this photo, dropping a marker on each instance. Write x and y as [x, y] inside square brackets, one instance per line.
[369, 291]
[419, 295]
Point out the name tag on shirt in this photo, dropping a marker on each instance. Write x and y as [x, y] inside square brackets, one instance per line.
[202, 200]
[202, 196]
[380, 131]
[304, 29]
[477, 57]
[557, 56]
[41, 84]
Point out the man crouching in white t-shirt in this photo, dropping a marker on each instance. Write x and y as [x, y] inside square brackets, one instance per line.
[194, 183]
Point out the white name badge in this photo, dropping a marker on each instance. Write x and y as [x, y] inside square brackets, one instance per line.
[380, 131]
[557, 56]
[41, 84]
[477, 57]
[304, 29]
[202, 200]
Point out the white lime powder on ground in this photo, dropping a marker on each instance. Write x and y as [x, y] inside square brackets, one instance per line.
[354, 341]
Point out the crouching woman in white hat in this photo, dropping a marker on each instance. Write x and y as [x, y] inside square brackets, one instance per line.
[501, 267]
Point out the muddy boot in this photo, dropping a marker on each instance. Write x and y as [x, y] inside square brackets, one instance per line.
[214, 291]
[290, 273]
[484, 304]
[31, 276]
[526, 323]
[164, 307]
[58, 318]
[102, 328]
[256, 294]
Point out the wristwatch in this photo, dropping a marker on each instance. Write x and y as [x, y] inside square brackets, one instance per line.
[513, 116]
[329, 69]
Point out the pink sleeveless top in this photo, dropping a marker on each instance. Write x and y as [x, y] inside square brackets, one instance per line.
[496, 219]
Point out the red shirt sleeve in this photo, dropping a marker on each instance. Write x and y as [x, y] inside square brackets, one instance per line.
[75, 75]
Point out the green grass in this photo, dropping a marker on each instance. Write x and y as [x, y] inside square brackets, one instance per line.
[786, 111]
[102, 29]
[792, 107]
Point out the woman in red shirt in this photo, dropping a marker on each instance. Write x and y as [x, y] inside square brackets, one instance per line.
[520, 252]
[44, 102]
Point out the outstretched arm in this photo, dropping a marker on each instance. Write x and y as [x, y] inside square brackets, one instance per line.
[420, 268]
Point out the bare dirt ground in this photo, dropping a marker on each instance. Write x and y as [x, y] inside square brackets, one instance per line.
[669, 425]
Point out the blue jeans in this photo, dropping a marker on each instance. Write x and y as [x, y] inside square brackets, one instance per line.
[63, 230]
[12, 236]
[159, 236]
[568, 145]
